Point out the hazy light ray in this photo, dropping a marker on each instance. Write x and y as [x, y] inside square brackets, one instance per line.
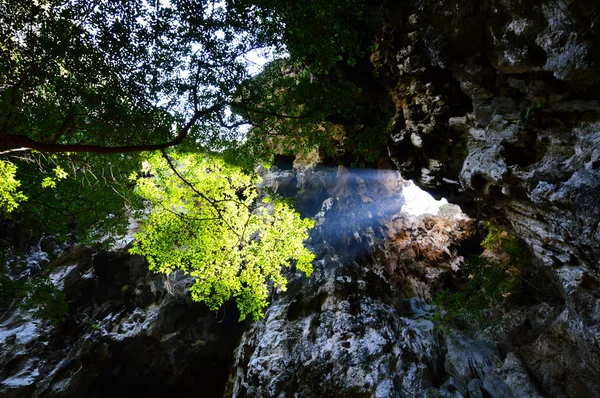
[351, 206]
[367, 196]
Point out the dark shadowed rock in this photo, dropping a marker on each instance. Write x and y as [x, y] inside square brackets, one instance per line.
[498, 109]
[127, 333]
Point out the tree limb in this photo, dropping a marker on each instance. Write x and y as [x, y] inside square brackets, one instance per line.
[14, 143]
[212, 202]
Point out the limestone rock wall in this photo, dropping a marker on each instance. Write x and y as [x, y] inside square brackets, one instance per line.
[360, 325]
[127, 333]
[498, 109]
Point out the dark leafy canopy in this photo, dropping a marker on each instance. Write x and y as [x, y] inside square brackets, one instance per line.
[305, 101]
[320, 34]
[294, 110]
[117, 76]
[46, 301]
[110, 77]
[85, 86]
[114, 76]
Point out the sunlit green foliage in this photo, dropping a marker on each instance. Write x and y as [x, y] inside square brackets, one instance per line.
[58, 174]
[212, 224]
[86, 196]
[9, 195]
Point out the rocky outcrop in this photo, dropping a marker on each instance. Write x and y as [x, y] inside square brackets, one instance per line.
[127, 333]
[360, 326]
[497, 109]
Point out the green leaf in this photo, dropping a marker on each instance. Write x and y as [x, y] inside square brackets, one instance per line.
[9, 196]
[211, 224]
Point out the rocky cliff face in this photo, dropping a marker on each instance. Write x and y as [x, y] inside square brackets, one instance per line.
[127, 333]
[497, 108]
[358, 326]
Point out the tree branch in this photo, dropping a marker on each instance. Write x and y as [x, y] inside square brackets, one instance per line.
[14, 143]
[212, 202]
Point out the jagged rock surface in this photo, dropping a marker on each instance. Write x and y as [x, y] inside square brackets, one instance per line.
[359, 326]
[498, 109]
[127, 333]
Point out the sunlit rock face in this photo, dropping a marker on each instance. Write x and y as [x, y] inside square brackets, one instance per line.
[498, 109]
[358, 326]
[128, 333]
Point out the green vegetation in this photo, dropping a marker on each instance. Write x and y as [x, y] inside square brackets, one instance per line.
[207, 219]
[292, 110]
[129, 76]
[9, 196]
[37, 294]
[80, 195]
[487, 281]
[532, 111]
[46, 300]
[322, 34]
[89, 93]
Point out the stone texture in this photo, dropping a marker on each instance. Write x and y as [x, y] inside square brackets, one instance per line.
[127, 333]
[503, 99]
[358, 326]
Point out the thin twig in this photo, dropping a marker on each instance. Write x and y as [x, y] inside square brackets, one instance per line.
[211, 201]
